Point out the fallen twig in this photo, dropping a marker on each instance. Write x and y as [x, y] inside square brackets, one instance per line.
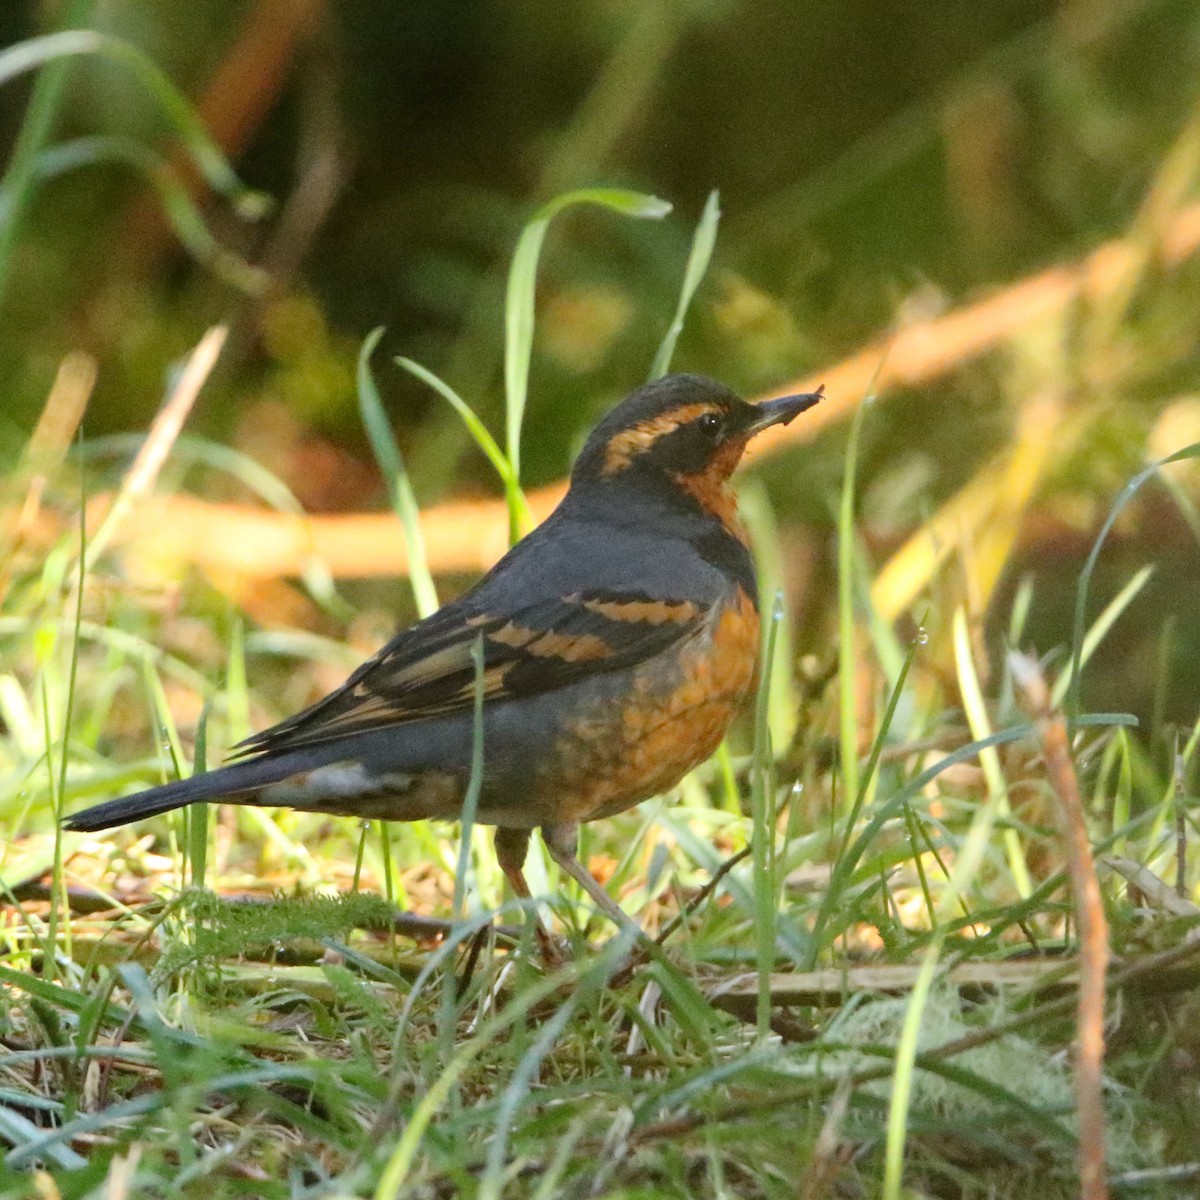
[1177, 967]
[830, 987]
[707, 890]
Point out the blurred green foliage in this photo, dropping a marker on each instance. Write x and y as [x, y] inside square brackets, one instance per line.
[873, 162]
[862, 152]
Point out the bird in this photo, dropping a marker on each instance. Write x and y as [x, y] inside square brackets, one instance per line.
[618, 640]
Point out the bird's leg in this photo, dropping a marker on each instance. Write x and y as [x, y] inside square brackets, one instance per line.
[562, 841]
[511, 847]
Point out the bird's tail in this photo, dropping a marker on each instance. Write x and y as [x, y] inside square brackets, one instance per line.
[238, 783]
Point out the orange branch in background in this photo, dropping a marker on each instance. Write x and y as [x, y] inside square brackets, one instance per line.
[254, 544]
[238, 98]
[468, 536]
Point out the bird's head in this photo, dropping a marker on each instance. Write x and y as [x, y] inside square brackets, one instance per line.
[680, 432]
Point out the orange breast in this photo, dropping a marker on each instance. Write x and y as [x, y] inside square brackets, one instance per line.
[675, 714]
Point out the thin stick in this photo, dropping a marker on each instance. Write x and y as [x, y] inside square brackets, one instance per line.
[1089, 915]
[162, 436]
[704, 893]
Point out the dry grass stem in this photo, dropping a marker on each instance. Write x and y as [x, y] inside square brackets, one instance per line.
[21, 495]
[1093, 928]
[162, 436]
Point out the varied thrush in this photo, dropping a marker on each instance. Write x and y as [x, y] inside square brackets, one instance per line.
[619, 639]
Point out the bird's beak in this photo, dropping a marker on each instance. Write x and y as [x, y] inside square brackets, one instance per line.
[782, 410]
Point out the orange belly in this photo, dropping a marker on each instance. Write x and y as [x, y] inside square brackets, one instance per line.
[673, 718]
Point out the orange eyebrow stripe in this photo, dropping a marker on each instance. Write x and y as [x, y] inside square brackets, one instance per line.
[650, 612]
[625, 446]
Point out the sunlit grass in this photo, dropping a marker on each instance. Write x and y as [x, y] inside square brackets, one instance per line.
[306, 1040]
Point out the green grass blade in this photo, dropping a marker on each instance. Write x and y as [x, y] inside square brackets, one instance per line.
[888, 649]
[843, 870]
[50, 948]
[847, 656]
[470, 806]
[519, 302]
[198, 814]
[703, 242]
[966, 864]
[237, 688]
[763, 846]
[475, 427]
[391, 463]
[1020, 610]
[1085, 576]
[474, 785]
[977, 718]
[877, 745]
[759, 520]
[178, 207]
[19, 179]
[59, 793]
[1099, 630]
[204, 151]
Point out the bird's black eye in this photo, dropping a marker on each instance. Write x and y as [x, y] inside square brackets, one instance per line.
[710, 424]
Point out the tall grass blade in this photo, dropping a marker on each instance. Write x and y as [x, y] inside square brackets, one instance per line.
[474, 786]
[50, 949]
[759, 520]
[847, 651]
[763, 846]
[977, 718]
[1085, 576]
[198, 814]
[476, 428]
[1099, 630]
[880, 740]
[174, 105]
[703, 242]
[519, 314]
[470, 806]
[59, 886]
[180, 210]
[17, 186]
[237, 688]
[966, 864]
[391, 464]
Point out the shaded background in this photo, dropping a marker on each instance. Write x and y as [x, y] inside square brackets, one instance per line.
[875, 163]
